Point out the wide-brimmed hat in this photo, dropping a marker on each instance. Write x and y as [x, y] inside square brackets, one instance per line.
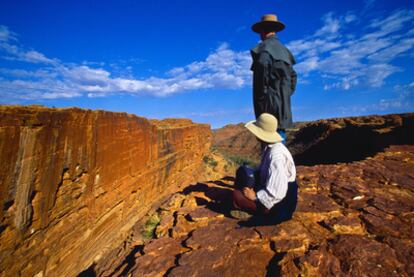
[264, 127]
[269, 23]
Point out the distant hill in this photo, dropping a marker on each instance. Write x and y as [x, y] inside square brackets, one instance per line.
[236, 142]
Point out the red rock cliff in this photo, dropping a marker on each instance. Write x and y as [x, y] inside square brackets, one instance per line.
[73, 182]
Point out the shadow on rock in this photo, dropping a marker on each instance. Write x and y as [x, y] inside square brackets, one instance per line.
[347, 140]
[229, 178]
[219, 193]
[273, 268]
[89, 272]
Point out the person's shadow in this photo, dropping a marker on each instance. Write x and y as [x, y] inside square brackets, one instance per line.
[220, 194]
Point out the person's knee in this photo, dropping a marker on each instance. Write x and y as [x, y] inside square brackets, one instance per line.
[237, 197]
[237, 194]
[244, 177]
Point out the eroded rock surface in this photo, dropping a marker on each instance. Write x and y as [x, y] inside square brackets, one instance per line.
[352, 219]
[74, 182]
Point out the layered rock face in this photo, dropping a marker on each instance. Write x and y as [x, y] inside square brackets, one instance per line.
[74, 182]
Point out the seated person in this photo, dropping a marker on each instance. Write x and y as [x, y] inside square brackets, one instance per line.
[270, 189]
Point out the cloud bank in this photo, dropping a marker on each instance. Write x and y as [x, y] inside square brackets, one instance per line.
[53, 78]
[336, 54]
[345, 58]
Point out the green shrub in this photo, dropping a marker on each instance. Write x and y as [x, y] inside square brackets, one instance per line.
[210, 161]
[239, 160]
[148, 231]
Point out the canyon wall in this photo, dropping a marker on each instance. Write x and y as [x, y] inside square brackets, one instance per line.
[326, 141]
[74, 182]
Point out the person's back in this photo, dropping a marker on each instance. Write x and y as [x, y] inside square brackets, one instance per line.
[278, 188]
[274, 79]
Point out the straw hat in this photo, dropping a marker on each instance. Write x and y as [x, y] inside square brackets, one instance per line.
[269, 23]
[264, 127]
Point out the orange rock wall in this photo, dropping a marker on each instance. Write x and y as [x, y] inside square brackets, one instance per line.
[74, 182]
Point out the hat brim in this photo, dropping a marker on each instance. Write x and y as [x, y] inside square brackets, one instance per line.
[270, 137]
[268, 26]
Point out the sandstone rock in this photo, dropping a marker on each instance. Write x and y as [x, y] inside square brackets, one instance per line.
[333, 232]
[353, 218]
[74, 182]
[224, 261]
[378, 258]
[405, 252]
[220, 249]
[182, 227]
[316, 203]
[219, 233]
[203, 214]
[166, 223]
[320, 262]
[173, 203]
[350, 224]
[159, 256]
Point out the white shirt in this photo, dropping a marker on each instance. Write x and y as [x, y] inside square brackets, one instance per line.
[277, 169]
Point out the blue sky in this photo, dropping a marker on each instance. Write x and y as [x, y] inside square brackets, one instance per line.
[191, 59]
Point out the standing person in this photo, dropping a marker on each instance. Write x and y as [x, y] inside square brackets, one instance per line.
[274, 79]
[272, 186]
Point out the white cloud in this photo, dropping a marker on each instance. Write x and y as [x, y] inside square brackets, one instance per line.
[223, 68]
[8, 43]
[24, 74]
[34, 90]
[6, 35]
[391, 24]
[349, 58]
[388, 53]
[406, 87]
[308, 65]
[403, 101]
[350, 17]
[331, 25]
[9, 49]
[17, 53]
[35, 57]
[377, 73]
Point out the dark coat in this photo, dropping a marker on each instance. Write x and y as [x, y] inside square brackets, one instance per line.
[274, 80]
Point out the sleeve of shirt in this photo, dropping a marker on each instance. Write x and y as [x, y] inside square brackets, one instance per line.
[276, 185]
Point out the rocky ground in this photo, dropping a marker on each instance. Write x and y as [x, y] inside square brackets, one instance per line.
[352, 219]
